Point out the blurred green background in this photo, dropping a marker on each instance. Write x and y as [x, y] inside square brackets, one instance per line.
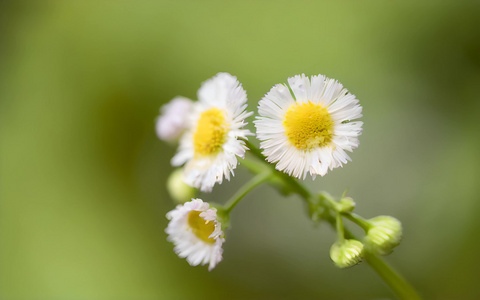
[82, 174]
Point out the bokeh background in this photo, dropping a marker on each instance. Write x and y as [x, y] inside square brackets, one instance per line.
[82, 174]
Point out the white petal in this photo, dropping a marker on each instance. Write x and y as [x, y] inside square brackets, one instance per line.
[300, 86]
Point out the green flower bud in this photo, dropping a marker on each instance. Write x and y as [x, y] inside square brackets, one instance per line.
[384, 235]
[346, 253]
[346, 205]
[178, 189]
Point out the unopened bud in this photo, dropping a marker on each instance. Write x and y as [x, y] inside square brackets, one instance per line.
[346, 205]
[384, 235]
[346, 253]
[178, 189]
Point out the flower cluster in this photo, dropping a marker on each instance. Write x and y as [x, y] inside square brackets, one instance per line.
[306, 126]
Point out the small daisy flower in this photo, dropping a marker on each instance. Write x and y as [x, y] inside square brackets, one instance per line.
[196, 232]
[172, 121]
[309, 131]
[210, 147]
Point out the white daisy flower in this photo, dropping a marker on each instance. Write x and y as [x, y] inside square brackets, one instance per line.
[211, 145]
[309, 131]
[196, 233]
[172, 121]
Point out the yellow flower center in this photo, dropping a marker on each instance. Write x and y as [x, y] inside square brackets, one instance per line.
[211, 132]
[308, 125]
[201, 228]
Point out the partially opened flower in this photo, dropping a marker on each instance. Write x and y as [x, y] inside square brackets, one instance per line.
[197, 233]
[172, 121]
[309, 131]
[210, 147]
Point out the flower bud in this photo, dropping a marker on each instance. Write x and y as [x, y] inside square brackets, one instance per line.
[384, 235]
[346, 205]
[346, 253]
[178, 189]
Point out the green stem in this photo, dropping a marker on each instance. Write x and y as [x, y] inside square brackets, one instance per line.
[290, 181]
[394, 280]
[330, 202]
[364, 224]
[254, 166]
[255, 181]
[340, 234]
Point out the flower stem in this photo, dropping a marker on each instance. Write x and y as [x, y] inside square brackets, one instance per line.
[255, 181]
[330, 202]
[290, 181]
[394, 280]
[364, 224]
[339, 224]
